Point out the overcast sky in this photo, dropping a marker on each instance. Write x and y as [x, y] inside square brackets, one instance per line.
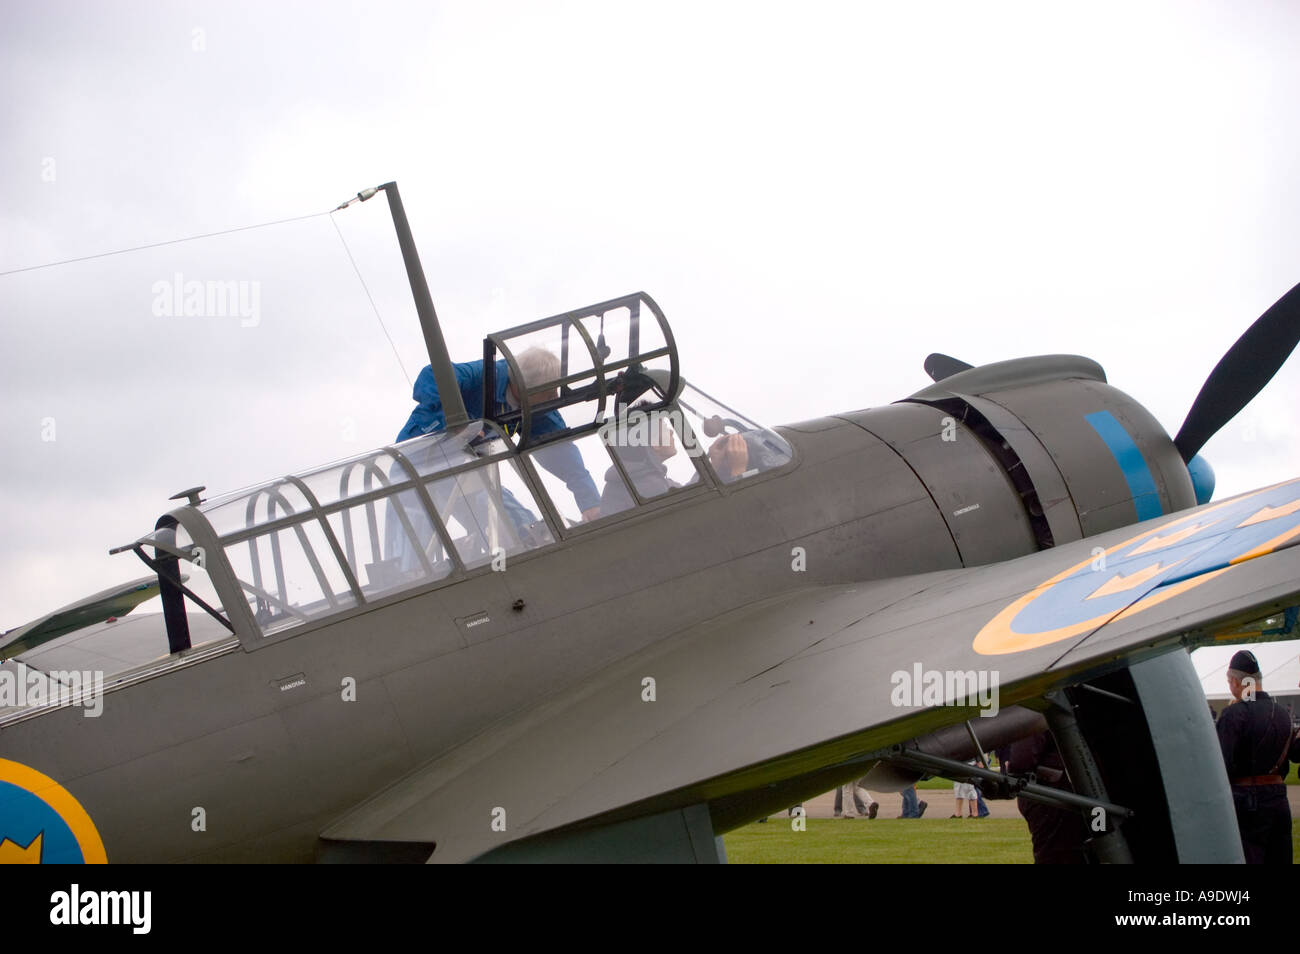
[818, 195]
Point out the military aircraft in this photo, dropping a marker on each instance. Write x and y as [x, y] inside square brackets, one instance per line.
[428, 652]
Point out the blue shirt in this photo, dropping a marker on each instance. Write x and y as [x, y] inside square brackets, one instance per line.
[564, 460]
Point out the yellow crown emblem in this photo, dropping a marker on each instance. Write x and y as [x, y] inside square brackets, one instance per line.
[12, 853]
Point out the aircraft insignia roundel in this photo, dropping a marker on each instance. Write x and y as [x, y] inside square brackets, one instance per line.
[41, 823]
[1145, 570]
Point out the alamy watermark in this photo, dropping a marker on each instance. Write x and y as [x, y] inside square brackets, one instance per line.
[946, 687]
[178, 298]
[23, 687]
[638, 428]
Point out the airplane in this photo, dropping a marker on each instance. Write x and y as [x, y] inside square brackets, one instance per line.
[426, 653]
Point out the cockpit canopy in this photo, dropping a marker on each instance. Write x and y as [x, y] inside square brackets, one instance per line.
[443, 505]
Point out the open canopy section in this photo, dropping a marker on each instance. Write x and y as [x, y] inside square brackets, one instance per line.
[568, 373]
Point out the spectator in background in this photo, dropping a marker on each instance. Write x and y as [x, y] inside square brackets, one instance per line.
[1257, 741]
[964, 792]
[855, 787]
[983, 812]
[912, 807]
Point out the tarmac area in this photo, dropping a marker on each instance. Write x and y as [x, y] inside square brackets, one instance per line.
[941, 804]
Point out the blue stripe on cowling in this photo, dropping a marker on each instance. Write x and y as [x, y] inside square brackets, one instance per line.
[1140, 482]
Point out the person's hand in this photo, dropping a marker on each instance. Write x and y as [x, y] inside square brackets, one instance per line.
[590, 515]
[729, 456]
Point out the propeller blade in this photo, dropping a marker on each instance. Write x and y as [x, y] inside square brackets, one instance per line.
[940, 366]
[1242, 373]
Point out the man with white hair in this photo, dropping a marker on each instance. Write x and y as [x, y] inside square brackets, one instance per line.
[1257, 740]
[538, 366]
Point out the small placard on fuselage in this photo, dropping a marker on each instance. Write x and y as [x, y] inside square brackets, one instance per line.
[474, 621]
[289, 683]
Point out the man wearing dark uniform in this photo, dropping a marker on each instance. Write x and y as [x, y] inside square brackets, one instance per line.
[1257, 740]
[1058, 834]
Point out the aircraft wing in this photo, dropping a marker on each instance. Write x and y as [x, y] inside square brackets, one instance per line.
[782, 688]
[115, 601]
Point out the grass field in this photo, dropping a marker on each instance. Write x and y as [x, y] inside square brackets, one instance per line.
[883, 841]
[891, 841]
